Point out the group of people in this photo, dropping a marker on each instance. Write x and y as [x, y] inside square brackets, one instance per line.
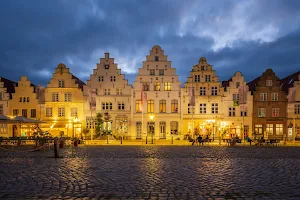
[199, 139]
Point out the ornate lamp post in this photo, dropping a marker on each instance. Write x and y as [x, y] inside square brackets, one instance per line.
[152, 131]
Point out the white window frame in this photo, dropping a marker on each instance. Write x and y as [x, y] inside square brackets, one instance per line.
[263, 96]
[49, 112]
[202, 91]
[275, 112]
[261, 112]
[74, 112]
[214, 108]
[68, 97]
[61, 111]
[61, 83]
[202, 109]
[55, 97]
[214, 91]
[269, 83]
[100, 78]
[274, 97]
[121, 106]
[231, 111]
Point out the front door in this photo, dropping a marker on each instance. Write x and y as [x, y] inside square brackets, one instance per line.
[151, 129]
[138, 130]
[162, 130]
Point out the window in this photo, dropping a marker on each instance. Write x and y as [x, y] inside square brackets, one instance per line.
[24, 99]
[263, 96]
[48, 112]
[156, 86]
[15, 112]
[275, 112]
[197, 78]
[231, 112]
[119, 91]
[161, 72]
[1, 109]
[156, 58]
[150, 106]
[152, 72]
[3, 129]
[68, 97]
[261, 112]
[174, 106]
[146, 86]
[190, 108]
[279, 129]
[202, 108]
[202, 91]
[33, 113]
[121, 106]
[258, 130]
[174, 128]
[100, 78]
[74, 112]
[244, 113]
[106, 106]
[28, 99]
[55, 97]
[106, 91]
[167, 86]
[106, 66]
[214, 91]
[207, 78]
[24, 112]
[138, 107]
[61, 112]
[1, 95]
[61, 83]
[214, 108]
[268, 82]
[113, 78]
[20, 99]
[274, 97]
[162, 106]
[237, 84]
[235, 97]
[269, 129]
[96, 91]
[297, 108]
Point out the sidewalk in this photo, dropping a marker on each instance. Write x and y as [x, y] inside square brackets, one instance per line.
[169, 142]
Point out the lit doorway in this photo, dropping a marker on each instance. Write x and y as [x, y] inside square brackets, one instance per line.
[162, 130]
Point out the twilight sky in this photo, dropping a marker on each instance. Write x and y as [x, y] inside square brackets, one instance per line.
[234, 35]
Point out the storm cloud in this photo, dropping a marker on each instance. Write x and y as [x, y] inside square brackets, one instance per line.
[247, 36]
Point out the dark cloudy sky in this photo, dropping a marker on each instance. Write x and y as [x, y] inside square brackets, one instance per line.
[234, 35]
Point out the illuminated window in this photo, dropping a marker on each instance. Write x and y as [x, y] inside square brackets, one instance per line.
[162, 106]
[261, 112]
[156, 86]
[167, 86]
[138, 106]
[269, 129]
[279, 129]
[150, 106]
[174, 106]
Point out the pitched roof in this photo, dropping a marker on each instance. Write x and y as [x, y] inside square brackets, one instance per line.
[10, 85]
[78, 81]
[288, 81]
[252, 84]
[226, 83]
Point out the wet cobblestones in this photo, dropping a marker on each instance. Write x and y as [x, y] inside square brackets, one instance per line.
[152, 172]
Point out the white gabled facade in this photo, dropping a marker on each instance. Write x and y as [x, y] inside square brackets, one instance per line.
[112, 97]
[238, 106]
[206, 115]
[161, 98]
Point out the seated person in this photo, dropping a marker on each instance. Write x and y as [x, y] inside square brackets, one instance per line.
[200, 140]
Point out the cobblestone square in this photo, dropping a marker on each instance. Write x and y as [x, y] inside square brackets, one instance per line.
[152, 172]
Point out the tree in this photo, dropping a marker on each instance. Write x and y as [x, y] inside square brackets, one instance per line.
[99, 124]
[86, 132]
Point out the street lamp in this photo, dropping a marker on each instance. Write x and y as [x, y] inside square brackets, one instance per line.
[152, 131]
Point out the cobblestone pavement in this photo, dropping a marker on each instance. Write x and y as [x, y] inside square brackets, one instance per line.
[152, 172]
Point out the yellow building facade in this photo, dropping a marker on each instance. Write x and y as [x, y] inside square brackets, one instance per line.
[62, 110]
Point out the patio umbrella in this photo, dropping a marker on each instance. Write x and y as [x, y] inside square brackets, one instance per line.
[6, 120]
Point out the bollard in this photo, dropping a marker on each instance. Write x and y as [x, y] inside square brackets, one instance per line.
[146, 140]
[172, 141]
[121, 140]
[107, 139]
[56, 155]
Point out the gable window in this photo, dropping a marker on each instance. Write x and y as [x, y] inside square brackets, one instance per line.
[33, 113]
[119, 91]
[162, 106]
[156, 58]
[202, 108]
[214, 108]
[121, 106]
[106, 66]
[237, 84]
[161, 72]
[145, 86]
[150, 106]
[167, 86]
[74, 112]
[269, 83]
[61, 83]
[68, 97]
[261, 112]
[106, 91]
[263, 96]
[274, 97]
[207, 78]
[156, 86]
[152, 72]
[275, 112]
[214, 91]
[231, 112]
[100, 78]
[197, 78]
[113, 78]
[138, 106]
[55, 96]
[202, 91]
[61, 112]
[174, 106]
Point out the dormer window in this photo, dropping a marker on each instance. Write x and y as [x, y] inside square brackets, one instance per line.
[156, 58]
[268, 82]
[106, 66]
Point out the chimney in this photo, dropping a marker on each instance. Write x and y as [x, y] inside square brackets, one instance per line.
[106, 55]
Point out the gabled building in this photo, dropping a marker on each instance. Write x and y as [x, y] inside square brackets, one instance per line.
[108, 92]
[269, 107]
[202, 101]
[156, 98]
[291, 86]
[24, 102]
[7, 87]
[238, 106]
[63, 107]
